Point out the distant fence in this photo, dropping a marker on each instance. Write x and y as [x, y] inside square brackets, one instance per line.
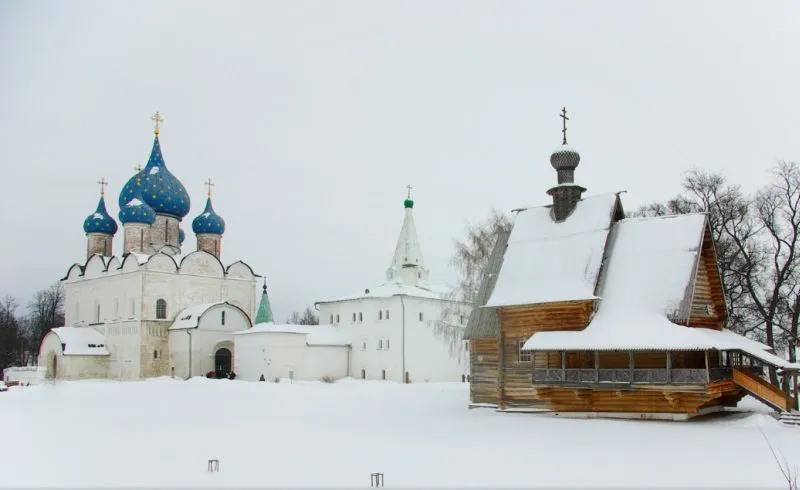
[33, 375]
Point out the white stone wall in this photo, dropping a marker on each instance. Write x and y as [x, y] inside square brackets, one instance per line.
[377, 343]
[210, 336]
[70, 367]
[276, 355]
[121, 304]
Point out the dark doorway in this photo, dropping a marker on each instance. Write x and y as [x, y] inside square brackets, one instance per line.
[222, 363]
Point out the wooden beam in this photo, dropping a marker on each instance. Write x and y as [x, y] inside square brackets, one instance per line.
[708, 369]
[630, 364]
[669, 367]
[563, 365]
[501, 375]
[596, 366]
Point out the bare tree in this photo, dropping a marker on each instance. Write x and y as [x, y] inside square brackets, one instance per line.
[46, 311]
[789, 472]
[470, 258]
[308, 317]
[9, 333]
[472, 254]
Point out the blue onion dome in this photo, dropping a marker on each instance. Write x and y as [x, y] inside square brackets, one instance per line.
[161, 190]
[136, 210]
[100, 221]
[208, 221]
[181, 236]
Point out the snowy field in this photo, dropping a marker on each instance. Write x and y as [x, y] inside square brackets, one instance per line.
[161, 432]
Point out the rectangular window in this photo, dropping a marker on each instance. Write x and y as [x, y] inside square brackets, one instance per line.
[387, 314]
[360, 316]
[380, 344]
[354, 316]
[223, 317]
[380, 314]
[331, 318]
[420, 316]
[337, 318]
[523, 356]
[387, 344]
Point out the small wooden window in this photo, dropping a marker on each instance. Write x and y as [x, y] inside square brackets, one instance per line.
[523, 355]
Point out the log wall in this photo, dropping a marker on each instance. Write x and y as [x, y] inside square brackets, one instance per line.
[644, 399]
[708, 303]
[483, 371]
[518, 324]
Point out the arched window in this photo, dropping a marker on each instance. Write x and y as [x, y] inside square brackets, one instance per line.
[380, 314]
[363, 374]
[223, 317]
[420, 316]
[161, 309]
[383, 374]
[337, 318]
[155, 354]
[360, 316]
[387, 314]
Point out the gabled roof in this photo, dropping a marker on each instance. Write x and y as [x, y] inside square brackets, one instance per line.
[483, 322]
[395, 288]
[548, 261]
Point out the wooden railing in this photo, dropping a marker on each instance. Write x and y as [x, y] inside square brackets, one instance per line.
[629, 376]
[762, 389]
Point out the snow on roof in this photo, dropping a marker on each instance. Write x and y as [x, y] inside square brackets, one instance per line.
[315, 334]
[81, 341]
[396, 288]
[648, 278]
[189, 317]
[140, 257]
[549, 261]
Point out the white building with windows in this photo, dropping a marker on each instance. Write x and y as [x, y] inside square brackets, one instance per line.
[152, 310]
[404, 330]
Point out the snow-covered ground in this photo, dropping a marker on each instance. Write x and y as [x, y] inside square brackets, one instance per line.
[161, 433]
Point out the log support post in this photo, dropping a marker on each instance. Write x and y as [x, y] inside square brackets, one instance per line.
[501, 370]
[708, 369]
[630, 364]
[669, 367]
[596, 366]
[564, 365]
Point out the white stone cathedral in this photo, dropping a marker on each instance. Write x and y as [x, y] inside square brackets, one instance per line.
[406, 329]
[152, 310]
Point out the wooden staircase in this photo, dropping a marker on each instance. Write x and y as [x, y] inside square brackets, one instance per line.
[791, 419]
[763, 390]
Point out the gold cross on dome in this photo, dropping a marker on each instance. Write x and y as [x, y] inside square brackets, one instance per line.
[209, 184]
[103, 182]
[564, 118]
[409, 191]
[138, 169]
[158, 120]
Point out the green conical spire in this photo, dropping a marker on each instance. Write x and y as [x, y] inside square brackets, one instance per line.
[264, 314]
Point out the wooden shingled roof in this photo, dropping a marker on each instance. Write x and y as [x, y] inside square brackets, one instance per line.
[483, 322]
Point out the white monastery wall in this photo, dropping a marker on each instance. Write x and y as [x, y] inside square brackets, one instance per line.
[277, 354]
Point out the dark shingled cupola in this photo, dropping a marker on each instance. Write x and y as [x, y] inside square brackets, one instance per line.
[565, 160]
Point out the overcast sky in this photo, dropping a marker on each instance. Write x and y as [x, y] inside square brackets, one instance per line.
[313, 116]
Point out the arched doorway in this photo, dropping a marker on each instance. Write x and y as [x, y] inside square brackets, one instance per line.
[222, 362]
[52, 365]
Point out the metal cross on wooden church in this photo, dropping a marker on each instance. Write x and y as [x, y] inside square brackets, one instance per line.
[103, 183]
[209, 184]
[158, 120]
[564, 124]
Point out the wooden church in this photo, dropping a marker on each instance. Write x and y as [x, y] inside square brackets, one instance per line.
[584, 312]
